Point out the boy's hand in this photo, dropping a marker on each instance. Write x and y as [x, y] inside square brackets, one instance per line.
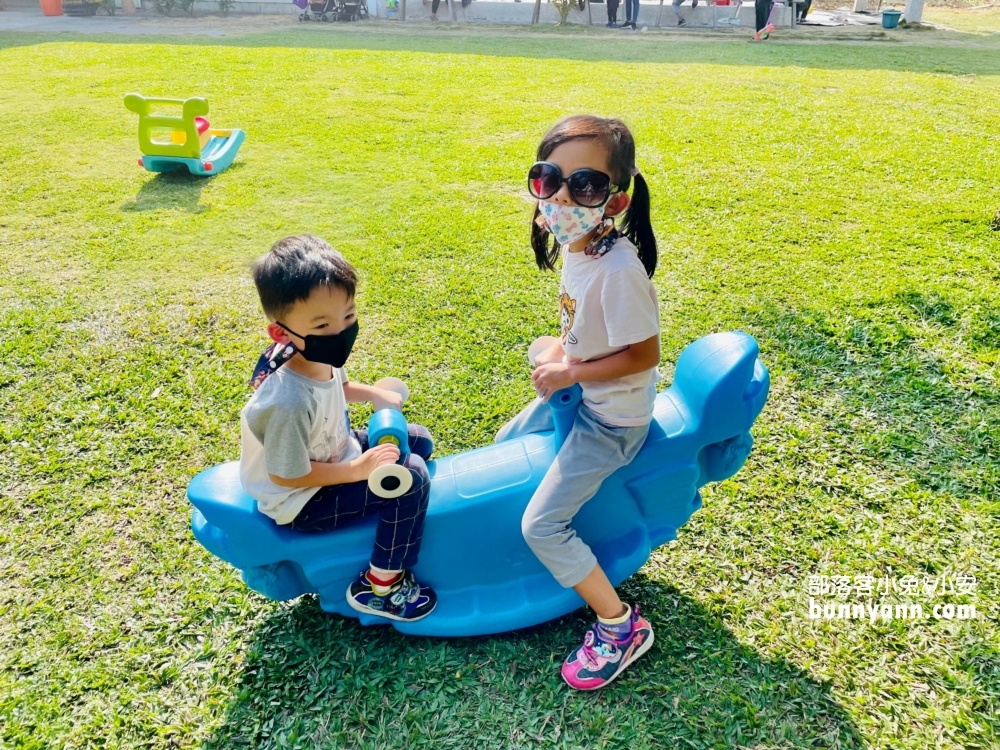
[383, 399]
[550, 378]
[373, 458]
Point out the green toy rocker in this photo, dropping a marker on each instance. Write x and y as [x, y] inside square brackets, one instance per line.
[168, 143]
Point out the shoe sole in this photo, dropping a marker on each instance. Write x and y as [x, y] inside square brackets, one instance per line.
[635, 655]
[369, 611]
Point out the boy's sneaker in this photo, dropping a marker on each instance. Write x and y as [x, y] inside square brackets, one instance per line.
[600, 660]
[406, 599]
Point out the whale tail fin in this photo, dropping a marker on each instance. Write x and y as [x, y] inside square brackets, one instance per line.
[721, 385]
[227, 513]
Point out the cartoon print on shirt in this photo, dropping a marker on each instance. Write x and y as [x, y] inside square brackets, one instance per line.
[567, 314]
[330, 444]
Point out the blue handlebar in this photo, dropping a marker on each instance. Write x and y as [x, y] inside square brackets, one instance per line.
[389, 426]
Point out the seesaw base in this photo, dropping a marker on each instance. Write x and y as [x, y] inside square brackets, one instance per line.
[473, 554]
[218, 155]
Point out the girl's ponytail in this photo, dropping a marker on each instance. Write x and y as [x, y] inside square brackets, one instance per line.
[637, 226]
[544, 257]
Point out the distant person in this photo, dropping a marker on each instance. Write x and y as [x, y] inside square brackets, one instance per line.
[435, 4]
[631, 14]
[804, 10]
[762, 9]
[612, 14]
[677, 10]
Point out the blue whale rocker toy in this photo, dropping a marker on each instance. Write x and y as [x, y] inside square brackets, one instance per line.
[473, 554]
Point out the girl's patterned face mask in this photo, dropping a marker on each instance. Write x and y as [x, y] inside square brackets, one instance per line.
[569, 223]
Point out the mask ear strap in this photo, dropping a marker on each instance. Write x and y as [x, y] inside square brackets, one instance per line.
[273, 357]
[289, 330]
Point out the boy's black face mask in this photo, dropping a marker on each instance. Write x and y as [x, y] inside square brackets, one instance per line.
[332, 349]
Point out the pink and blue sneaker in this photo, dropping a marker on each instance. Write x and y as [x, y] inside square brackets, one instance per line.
[602, 658]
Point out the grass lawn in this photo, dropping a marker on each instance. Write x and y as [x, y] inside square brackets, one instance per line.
[985, 21]
[833, 200]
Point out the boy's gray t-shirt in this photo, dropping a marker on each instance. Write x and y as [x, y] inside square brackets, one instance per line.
[290, 421]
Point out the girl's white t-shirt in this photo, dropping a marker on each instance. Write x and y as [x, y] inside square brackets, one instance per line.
[606, 304]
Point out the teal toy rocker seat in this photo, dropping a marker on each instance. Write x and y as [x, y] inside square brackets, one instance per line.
[473, 554]
[169, 142]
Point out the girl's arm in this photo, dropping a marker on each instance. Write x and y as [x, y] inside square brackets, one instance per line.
[644, 355]
[552, 354]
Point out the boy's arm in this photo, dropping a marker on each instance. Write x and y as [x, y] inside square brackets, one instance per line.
[357, 393]
[344, 472]
[282, 427]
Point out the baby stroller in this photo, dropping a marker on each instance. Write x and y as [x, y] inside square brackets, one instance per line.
[321, 10]
[334, 10]
[351, 10]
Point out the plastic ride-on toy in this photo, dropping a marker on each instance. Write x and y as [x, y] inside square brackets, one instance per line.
[473, 555]
[169, 142]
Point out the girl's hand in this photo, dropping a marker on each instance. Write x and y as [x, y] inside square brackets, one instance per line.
[549, 356]
[379, 455]
[544, 351]
[550, 378]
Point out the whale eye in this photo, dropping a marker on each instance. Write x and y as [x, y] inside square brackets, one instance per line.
[566, 398]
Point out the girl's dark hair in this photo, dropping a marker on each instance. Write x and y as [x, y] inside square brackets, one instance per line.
[294, 267]
[617, 140]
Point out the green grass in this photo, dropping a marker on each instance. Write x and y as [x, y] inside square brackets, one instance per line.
[977, 21]
[833, 200]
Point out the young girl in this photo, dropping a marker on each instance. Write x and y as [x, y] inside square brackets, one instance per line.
[610, 345]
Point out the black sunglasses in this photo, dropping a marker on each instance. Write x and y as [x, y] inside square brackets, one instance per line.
[588, 187]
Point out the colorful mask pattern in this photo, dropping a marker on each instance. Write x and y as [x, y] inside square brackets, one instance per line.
[569, 223]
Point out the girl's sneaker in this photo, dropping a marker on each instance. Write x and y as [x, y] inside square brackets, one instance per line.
[600, 660]
[406, 599]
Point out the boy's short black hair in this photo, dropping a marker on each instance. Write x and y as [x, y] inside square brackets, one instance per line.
[294, 267]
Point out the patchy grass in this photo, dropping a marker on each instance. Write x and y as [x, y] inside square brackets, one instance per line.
[985, 21]
[832, 200]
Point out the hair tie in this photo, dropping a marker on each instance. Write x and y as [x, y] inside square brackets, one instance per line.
[635, 171]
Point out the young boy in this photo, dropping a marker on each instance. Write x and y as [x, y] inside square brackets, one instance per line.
[301, 461]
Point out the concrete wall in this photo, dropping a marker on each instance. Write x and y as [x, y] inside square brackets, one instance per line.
[490, 11]
[485, 11]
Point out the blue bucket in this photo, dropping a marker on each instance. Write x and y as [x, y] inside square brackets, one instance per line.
[890, 18]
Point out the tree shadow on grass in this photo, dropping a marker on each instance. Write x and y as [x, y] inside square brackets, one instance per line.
[315, 680]
[913, 388]
[172, 191]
